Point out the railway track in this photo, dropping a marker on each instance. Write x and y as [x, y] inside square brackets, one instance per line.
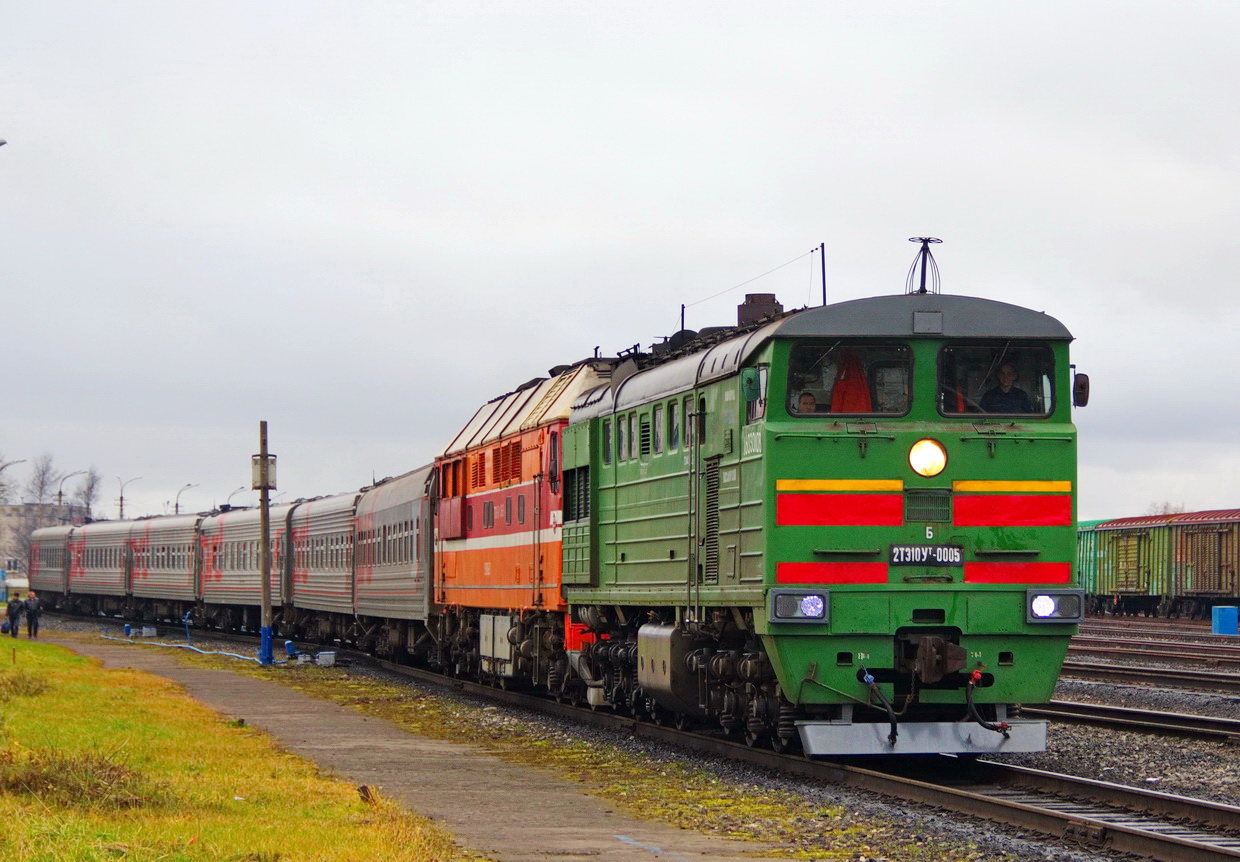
[1159, 676]
[1180, 651]
[1126, 718]
[1194, 635]
[1080, 811]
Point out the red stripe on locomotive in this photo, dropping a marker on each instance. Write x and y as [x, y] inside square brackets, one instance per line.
[839, 510]
[1017, 573]
[1013, 510]
[831, 573]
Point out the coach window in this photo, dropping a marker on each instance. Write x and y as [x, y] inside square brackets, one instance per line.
[606, 441]
[688, 421]
[659, 430]
[622, 449]
[850, 378]
[673, 426]
[997, 379]
[520, 508]
[633, 436]
[469, 517]
[508, 511]
[701, 422]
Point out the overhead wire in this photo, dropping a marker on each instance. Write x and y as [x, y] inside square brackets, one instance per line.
[755, 278]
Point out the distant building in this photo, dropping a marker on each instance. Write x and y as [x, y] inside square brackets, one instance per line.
[19, 521]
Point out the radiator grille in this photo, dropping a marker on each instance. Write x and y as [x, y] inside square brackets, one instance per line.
[928, 506]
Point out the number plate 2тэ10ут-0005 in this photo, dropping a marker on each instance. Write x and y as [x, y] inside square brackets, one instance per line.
[927, 555]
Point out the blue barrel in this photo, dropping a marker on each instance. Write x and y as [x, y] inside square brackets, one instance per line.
[1226, 620]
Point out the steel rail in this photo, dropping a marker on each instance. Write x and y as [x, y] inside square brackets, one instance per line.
[1200, 657]
[1127, 718]
[1218, 650]
[1161, 676]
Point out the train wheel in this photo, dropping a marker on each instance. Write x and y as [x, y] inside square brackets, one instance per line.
[682, 721]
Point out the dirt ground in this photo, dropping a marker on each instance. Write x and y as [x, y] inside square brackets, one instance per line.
[494, 808]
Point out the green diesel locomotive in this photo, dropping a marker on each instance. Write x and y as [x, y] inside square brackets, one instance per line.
[850, 527]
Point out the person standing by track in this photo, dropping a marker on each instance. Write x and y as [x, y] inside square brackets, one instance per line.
[34, 610]
[14, 611]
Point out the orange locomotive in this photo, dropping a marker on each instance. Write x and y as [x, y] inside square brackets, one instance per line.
[498, 523]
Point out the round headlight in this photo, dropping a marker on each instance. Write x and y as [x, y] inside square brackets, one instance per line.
[1042, 606]
[927, 457]
[812, 606]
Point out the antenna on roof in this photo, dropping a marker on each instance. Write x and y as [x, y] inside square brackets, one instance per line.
[927, 263]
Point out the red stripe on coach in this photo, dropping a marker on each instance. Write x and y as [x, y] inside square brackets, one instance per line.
[1017, 573]
[1013, 510]
[831, 573]
[839, 510]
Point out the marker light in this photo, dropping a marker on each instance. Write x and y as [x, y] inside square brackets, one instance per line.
[927, 457]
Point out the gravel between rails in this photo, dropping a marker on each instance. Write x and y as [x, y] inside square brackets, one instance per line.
[927, 827]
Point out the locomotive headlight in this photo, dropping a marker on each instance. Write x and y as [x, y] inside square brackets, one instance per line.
[798, 605]
[927, 457]
[1054, 606]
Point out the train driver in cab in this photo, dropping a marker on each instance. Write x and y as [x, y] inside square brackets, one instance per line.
[1007, 397]
[807, 403]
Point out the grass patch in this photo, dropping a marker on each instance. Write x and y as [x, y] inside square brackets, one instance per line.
[673, 791]
[77, 778]
[20, 683]
[123, 765]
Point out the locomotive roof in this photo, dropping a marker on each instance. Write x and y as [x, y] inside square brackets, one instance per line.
[919, 315]
[534, 404]
[916, 315]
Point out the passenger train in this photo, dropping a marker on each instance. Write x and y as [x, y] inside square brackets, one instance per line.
[816, 528]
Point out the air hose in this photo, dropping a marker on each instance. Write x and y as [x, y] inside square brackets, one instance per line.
[868, 679]
[998, 727]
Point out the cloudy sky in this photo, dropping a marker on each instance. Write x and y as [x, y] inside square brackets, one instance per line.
[360, 220]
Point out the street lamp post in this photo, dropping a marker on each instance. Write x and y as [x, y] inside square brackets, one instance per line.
[176, 510]
[122, 500]
[228, 502]
[263, 473]
[60, 492]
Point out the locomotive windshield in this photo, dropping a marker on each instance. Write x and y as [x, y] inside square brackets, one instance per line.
[844, 377]
[999, 378]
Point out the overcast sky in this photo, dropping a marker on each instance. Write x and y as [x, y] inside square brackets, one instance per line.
[359, 221]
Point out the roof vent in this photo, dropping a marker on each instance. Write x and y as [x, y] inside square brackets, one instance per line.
[757, 306]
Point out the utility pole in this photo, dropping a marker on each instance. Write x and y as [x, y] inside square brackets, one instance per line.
[263, 470]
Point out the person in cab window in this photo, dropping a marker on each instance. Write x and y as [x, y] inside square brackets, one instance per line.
[807, 403]
[1007, 397]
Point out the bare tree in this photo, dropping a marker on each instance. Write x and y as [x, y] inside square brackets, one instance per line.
[88, 490]
[6, 487]
[1165, 507]
[43, 479]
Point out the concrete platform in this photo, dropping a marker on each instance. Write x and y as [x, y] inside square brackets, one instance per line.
[506, 812]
